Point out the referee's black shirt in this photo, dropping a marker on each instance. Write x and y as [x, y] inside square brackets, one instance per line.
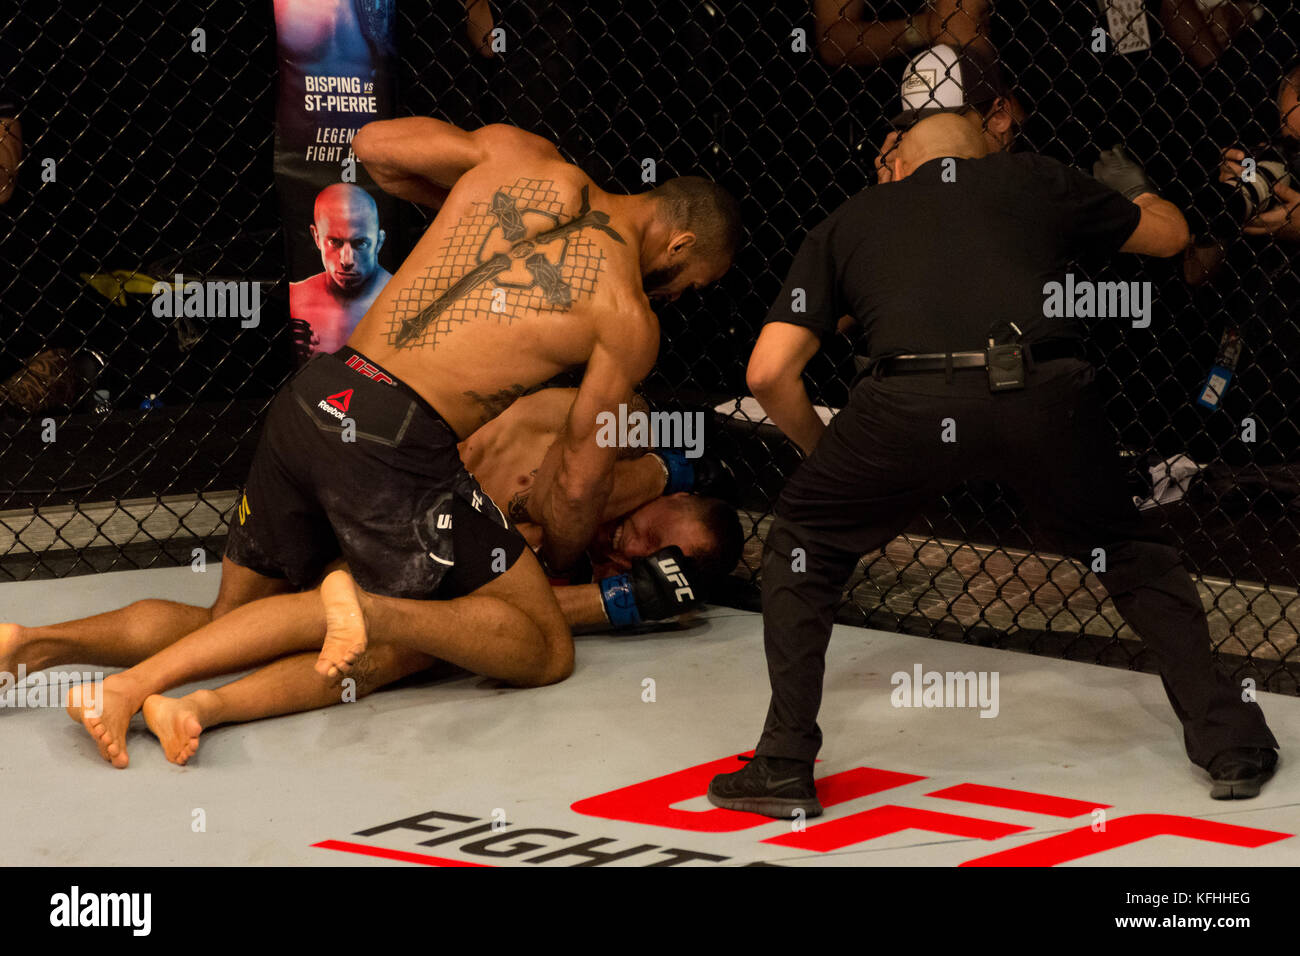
[928, 266]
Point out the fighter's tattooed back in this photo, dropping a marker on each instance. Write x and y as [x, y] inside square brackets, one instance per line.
[512, 255]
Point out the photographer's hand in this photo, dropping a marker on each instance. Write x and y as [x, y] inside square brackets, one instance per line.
[1231, 167]
[1282, 221]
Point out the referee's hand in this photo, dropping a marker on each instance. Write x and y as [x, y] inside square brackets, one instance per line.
[1121, 172]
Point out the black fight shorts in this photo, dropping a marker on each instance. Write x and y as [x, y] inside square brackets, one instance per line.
[353, 463]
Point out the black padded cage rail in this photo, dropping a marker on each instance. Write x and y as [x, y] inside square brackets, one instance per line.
[142, 157]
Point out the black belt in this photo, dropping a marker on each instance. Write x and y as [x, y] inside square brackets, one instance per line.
[942, 361]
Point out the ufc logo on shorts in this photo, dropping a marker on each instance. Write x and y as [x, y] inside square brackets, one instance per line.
[358, 364]
[674, 574]
[444, 522]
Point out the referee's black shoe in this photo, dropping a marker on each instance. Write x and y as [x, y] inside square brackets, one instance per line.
[1239, 773]
[773, 786]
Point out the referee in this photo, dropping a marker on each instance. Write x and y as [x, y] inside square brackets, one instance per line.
[950, 256]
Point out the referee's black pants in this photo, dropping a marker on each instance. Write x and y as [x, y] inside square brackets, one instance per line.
[883, 458]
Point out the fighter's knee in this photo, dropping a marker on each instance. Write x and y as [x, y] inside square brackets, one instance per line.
[556, 661]
[552, 673]
[561, 663]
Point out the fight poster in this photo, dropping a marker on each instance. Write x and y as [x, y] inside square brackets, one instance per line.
[335, 76]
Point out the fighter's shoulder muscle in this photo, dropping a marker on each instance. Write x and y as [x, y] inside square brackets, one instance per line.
[508, 153]
[510, 144]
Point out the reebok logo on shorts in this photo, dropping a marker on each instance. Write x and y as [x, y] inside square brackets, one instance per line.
[244, 510]
[336, 404]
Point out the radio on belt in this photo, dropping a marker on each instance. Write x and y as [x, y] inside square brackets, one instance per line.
[1005, 363]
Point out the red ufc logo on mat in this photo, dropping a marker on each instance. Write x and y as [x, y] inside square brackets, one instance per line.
[652, 802]
[341, 400]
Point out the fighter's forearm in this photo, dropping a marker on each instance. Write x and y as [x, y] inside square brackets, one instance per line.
[581, 605]
[568, 525]
[569, 495]
[568, 510]
[635, 482]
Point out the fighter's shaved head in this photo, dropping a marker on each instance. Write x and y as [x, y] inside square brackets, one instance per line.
[345, 199]
[943, 134]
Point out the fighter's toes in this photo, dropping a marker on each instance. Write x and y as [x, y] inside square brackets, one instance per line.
[345, 626]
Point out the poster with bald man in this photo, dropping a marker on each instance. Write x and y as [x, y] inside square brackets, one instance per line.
[345, 231]
[334, 78]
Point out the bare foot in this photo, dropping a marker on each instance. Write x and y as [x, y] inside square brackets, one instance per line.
[105, 710]
[177, 723]
[345, 625]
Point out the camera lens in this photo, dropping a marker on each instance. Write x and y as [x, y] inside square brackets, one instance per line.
[1251, 193]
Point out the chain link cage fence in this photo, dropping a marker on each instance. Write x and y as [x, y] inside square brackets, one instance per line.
[126, 437]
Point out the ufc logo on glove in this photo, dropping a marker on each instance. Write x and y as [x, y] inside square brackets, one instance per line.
[674, 574]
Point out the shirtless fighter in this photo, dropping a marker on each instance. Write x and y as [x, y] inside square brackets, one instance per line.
[528, 269]
[656, 510]
[655, 502]
[626, 585]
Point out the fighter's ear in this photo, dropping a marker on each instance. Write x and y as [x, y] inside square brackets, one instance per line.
[315, 236]
[379, 241]
[681, 243]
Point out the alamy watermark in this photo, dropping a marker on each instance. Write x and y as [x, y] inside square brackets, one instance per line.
[641, 429]
[48, 689]
[74, 908]
[1098, 300]
[946, 689]
[214, 299]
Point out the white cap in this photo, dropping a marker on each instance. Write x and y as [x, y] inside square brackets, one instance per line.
[944, 79]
